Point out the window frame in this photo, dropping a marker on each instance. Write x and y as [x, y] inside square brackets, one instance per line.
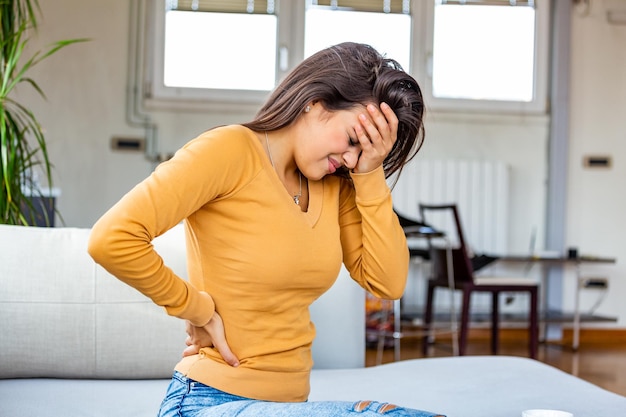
[290, 51]
[539, 103]
[157, 95]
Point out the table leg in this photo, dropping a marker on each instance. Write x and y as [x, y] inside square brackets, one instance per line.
[453, 322]
[576, 330]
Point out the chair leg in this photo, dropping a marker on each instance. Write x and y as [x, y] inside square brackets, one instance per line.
[465, 305]
[534, 324]
[428, 318]
[495, 325]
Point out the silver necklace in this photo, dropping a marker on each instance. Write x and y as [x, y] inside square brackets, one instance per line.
[296, 197]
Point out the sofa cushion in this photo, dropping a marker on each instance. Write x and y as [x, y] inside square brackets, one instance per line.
[81, 397]
[64, 316]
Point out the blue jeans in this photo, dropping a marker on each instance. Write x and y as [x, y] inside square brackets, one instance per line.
[188, 398]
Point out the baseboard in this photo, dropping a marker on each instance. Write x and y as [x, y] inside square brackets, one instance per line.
[587, 336]
[597, 336]
[505, 335]
[614, 337]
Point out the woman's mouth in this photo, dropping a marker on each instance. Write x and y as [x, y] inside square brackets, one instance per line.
[333, 165]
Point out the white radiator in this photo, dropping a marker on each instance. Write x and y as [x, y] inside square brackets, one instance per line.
[479, 188]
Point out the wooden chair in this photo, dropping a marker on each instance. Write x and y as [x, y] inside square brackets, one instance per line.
[465, 281]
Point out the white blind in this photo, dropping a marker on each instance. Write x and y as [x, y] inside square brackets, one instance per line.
[528, 3]
[224, 6]
[269, 6]
[378, 6]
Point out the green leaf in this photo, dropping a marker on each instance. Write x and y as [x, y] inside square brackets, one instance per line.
[23, 147]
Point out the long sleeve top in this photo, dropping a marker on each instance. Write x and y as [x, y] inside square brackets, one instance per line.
[252, 255]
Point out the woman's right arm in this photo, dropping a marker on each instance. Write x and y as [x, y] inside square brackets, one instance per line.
[121, 240]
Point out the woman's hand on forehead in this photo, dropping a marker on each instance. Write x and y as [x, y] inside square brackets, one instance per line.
[377, 133]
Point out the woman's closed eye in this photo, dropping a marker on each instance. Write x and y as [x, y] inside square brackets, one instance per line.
[355, 144]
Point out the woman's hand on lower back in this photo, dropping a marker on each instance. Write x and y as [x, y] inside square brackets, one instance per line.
[197, 338]
[215, 329]
[211, 334]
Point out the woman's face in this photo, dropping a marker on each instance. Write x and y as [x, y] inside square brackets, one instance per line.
[328, 141]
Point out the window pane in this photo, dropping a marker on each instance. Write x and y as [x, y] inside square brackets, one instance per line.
[392, 34]
[197, 56]
[484, 52]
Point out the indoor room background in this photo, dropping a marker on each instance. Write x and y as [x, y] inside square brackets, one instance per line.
[88, 85]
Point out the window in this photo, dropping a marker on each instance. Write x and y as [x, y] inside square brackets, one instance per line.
[488, 54]
[212, 50]
[488, 62]
[392, 36]
[467, 54]
[187, 32]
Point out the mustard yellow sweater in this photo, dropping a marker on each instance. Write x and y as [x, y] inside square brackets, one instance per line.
[259, 257]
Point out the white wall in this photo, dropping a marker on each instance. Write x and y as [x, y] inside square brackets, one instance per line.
[520, 142]
[86, 89]
[596, 202]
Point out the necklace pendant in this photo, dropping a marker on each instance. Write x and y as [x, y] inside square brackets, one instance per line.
[296, 199]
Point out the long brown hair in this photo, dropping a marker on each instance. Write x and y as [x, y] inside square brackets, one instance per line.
[341, 77]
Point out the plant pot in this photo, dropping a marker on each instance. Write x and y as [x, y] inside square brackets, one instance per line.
[42, 209]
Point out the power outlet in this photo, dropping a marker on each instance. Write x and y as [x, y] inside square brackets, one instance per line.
[596, 283]
[123, 143]
[597, 161]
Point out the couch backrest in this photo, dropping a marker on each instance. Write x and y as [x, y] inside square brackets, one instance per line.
[62, 315]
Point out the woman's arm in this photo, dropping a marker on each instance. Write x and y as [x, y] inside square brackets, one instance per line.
[121, 240]
[374, 244]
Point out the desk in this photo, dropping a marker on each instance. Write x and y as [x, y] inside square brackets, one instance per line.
[561, 262]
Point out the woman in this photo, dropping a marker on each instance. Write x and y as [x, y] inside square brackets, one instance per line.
[271, 209]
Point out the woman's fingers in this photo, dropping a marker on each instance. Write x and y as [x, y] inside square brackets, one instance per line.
[391, 121]
[191, 350]
[197, 336]
[226, 353]
[212, 334]
[383, 127]
[215, 328]
[377, 135]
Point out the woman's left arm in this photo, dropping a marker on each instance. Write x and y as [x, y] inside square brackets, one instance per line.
[374, 244]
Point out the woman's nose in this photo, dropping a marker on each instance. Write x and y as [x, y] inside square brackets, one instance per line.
[351, 157]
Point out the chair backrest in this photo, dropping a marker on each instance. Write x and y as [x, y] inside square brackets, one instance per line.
[461, 263]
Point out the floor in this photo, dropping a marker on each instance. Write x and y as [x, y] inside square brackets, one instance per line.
[601, 364]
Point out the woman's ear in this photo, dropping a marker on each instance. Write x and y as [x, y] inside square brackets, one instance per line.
[309, 106]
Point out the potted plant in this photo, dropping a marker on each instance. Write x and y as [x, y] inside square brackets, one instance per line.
[23, 150]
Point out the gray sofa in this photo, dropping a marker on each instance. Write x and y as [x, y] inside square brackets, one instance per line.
[74, 341]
